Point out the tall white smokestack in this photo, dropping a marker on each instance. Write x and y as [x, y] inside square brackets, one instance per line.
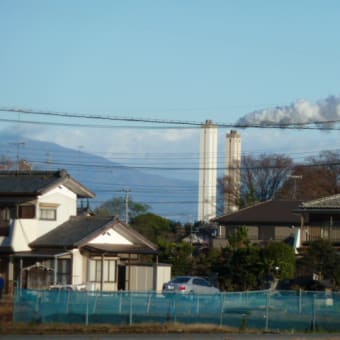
[232, 172]
[208, 172]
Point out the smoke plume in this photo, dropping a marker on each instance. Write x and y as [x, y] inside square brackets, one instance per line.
[324, 113]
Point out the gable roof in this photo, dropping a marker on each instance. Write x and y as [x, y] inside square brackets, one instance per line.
[80, 230]
[271, 212]
[33, 183]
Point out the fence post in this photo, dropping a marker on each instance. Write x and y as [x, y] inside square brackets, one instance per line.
[120, 302]
[267, 312]
[130, 309]
[197, 304]
[300, 301]
[37, 309]
[87, 309]
[313, 327]
[221, 309]
[148, 304]
[174, 308]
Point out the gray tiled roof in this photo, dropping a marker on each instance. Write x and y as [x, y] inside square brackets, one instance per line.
[325, 202]
[32, 183]
[272, 212]
[79, 230]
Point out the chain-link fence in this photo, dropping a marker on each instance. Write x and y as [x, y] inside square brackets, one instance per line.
[266, 310]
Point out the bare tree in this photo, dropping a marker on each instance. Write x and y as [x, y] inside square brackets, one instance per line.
[318, 177]
[263, 177]
[5, 163]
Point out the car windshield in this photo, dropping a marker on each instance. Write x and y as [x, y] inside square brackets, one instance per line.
[180, 279]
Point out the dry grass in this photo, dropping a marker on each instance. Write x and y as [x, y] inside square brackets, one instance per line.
[21, 328]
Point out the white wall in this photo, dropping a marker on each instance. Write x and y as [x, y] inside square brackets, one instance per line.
[27, 230]
[78, 274]
[163, 275]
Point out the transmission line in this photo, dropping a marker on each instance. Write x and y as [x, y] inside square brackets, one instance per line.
[323, 125]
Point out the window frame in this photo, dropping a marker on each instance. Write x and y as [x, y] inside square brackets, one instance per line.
[109, 266]
[26, 211]
[52, 210]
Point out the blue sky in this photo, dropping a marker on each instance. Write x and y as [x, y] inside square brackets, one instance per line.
[168, 59]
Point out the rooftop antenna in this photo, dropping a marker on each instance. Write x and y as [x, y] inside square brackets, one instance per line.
[18, 145]
[295, 178]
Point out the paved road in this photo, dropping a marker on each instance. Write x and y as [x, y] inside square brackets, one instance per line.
[177, 337]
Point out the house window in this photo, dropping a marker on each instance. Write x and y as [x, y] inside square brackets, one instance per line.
[64, 271]
[4, 214]
[48, 214]
[109, 270]
[26, 211]
[266, 233]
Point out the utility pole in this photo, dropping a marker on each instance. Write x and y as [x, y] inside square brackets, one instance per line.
[126, 205]
[18, 144]
[49, 161]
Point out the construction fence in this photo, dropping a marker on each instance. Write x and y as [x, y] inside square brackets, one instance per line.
[263, 310]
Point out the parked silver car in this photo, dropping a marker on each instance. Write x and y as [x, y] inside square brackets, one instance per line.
[189, 285]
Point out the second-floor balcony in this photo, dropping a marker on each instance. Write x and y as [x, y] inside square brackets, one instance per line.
[314, 233]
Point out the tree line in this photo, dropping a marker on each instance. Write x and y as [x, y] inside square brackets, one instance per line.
[278, 176]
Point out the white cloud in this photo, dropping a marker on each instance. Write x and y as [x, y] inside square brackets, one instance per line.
[105, 141]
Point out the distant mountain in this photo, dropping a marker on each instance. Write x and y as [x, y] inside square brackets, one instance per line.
[172, 198]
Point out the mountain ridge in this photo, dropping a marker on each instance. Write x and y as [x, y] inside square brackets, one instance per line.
[173, 198]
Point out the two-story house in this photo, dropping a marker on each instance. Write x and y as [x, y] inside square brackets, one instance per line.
[44, 243]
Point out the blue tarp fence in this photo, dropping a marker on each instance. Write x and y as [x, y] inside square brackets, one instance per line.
[264, 310]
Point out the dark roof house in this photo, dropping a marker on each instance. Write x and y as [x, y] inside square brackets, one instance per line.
[272, 220]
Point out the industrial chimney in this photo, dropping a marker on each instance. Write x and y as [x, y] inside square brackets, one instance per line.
[208, 172]
[232, 172]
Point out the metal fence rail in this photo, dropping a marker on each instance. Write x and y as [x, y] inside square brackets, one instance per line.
[268, 310]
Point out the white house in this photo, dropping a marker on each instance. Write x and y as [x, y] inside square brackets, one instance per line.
[44, 243]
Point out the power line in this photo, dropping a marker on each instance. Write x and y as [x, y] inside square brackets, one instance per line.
[151, 157]
[167, 168]
[99, 117]
[99, 126]
[322, 125]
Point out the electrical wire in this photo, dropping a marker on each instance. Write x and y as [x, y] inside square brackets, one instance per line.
[321, 125]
